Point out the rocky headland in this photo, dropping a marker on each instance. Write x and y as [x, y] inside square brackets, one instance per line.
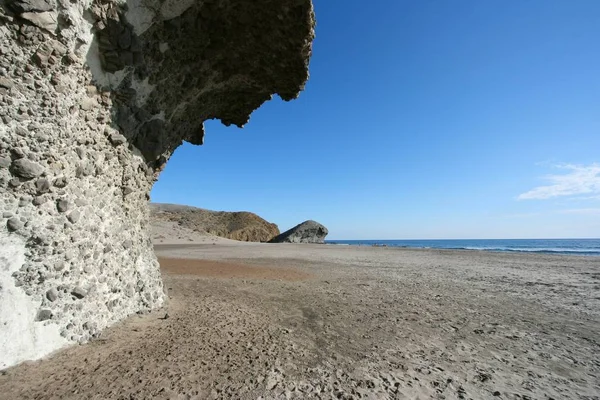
[306, 232]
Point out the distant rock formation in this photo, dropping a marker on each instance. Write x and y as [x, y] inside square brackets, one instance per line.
[306, 232]
[95, 95]
[242, 225]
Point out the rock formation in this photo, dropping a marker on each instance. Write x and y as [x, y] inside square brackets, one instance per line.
[95, 95]
[242, 225]
[306, 232]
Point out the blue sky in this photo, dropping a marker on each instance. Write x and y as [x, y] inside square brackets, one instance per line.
[421, 119]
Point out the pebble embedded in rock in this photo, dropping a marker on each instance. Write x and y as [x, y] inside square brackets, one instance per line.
[87, 104]
[271, 383]
[162, 47]
[117, 139]
[42, 185]
[80, 152]
[38, 201]
[73, 217]
[60, 266]
[25, 200]
[91, 90]
[17, 153]
[79, 292]
[60, 182]
[62, 205]
[26, 168]
[52, 294]
[19, 130]
[14, 224]
[5, 83]
[44, 315]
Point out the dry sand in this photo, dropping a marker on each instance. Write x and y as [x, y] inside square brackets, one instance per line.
[169, 232]
[318, 321]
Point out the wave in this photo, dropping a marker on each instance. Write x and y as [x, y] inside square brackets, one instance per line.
[535, 250]
[520, 250]
[558, 246]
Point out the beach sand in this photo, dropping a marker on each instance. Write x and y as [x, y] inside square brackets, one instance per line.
[249, 320]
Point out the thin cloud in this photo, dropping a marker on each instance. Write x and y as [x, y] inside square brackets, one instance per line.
[582, 198]
[578, 180]
[523, 215]
[582, 211]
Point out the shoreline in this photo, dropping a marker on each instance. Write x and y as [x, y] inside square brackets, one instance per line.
[188, 245]
[595, 253]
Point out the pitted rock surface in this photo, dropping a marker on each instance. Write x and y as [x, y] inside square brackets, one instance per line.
[94, 98]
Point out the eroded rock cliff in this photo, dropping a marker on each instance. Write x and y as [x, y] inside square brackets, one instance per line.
[94, 98]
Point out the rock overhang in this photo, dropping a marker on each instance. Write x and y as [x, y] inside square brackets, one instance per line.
[96, 95]
[191, 61]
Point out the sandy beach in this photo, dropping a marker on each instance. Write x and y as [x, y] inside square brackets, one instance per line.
[249, 321]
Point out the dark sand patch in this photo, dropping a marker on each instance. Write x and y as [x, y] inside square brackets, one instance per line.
[227, 270]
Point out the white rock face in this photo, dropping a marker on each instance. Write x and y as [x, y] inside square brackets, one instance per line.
[23, 338]
[92, 105]
[78, 258]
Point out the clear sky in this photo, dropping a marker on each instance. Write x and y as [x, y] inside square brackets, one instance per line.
[421, 119]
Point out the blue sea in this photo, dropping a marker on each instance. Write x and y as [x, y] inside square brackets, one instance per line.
[588, 247]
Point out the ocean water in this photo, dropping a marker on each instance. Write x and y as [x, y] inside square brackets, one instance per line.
[588, 247]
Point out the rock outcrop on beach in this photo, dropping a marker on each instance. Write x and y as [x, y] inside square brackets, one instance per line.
[306, 232]
[243, 226]
[95, 96]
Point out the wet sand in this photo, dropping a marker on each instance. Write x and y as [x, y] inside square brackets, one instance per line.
[307, 321]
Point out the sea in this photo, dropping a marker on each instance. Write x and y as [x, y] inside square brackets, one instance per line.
[584, 247]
